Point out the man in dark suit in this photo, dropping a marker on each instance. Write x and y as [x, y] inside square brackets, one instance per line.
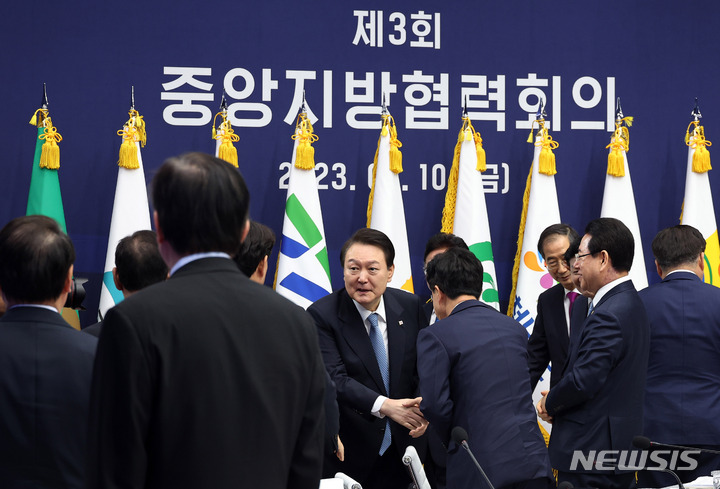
[206, 379]
[367, 336]
[45, 364]
[598, 403]
[436, 459]
[682, 393]
[548, 343]
[473, 373]
[252, 259]
[138, 264]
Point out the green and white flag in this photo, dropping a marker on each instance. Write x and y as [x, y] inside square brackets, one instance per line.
[303, 270]
[131, 212]
[465, 213]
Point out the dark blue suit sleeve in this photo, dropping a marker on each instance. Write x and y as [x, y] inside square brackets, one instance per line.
[434, 371]
[349, 390]
[601, 344]
[538, 351]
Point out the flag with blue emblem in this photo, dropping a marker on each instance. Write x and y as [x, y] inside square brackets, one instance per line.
[130, 209]
[303, 270]
[540, 210]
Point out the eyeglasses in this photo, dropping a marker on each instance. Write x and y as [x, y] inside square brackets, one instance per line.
[578, 256]
[554, 264]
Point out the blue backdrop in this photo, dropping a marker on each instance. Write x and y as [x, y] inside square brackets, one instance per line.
[578, 56]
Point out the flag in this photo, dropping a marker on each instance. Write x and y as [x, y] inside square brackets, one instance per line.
[385, 210]
[619, 199]
[698, 210]
[540, 210]
[44, 197]
[465, 212]
[130, 209]
[303, 269]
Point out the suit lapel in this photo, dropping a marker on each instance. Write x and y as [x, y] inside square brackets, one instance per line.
[396, 339]
[355, 333]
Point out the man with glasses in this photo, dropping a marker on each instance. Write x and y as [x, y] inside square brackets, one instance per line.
[598, 403]
[549, 341]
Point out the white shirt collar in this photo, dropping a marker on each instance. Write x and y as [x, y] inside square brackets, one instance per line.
[39, 306]
[364, 313]
[197, 256]
[606, 288]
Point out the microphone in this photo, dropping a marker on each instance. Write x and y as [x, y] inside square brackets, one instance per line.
[460, 436]
[644, 443]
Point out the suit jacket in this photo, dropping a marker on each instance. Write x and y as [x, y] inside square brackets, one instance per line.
[598, 403]
[473, 373]
[549, 340]
[45, 373]
[682, 393]
[207, 380]
[350, 360]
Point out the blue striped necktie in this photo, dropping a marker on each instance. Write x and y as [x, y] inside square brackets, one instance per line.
[378, 344]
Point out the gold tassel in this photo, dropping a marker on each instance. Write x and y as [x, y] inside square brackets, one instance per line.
[128, 149]
[226, 135]
[481, 159]
[305, 154]
[701, 157]
[50, 156]
[38, 117]
[395, 144]
[546, 163]
[132, 132]
[619, 142]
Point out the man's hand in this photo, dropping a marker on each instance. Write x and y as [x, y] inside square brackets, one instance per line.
[406, 412]
[542, 412]
[340, 450]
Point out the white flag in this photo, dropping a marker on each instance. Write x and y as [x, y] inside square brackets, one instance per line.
[532, 277]
[387, 213]
[303, 274]
[130, 213]
[619, 202]
[470, 220]
[699, 212]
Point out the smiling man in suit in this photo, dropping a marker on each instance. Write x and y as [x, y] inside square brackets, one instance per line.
[367, 336]
[548, 343]
[598, 403]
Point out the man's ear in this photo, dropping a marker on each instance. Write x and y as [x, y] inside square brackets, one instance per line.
[67, 287]
[158, 231]
[392, 271]
[118, 285]
[659, 269]
[246, 229]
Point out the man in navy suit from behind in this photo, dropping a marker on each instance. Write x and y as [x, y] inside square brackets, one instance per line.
[473, 373]
[45, 364]
[598, 402]
[682, 393]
